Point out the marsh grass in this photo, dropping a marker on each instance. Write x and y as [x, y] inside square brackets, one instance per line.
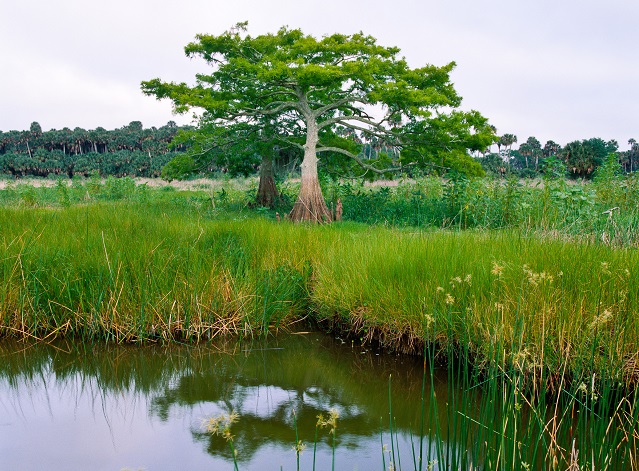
[539, 313]
[601, 211]
[490, 422]
[126, 273]
[172, 268]
[553, 207]
[487, 291]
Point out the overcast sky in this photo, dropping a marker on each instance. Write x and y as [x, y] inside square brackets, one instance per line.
[562, 69]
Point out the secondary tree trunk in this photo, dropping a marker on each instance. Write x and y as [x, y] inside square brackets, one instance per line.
[267, 193]
[310, 204]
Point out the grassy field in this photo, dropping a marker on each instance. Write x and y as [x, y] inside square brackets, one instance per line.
[133, 263]
[543, 312]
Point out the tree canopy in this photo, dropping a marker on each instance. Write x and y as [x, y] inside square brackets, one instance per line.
[583, 157]
[303, 92]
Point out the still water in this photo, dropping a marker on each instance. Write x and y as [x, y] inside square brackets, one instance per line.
[97, 407]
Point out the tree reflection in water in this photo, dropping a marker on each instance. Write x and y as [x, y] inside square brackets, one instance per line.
[263, 381]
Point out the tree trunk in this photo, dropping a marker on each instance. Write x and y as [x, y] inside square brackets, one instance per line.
[267, 193]
[310, 204]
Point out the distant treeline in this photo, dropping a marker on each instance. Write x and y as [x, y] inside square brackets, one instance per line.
[128, 151]
[577, 159]
[137, 152]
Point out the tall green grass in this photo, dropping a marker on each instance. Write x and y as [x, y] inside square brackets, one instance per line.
[551, 207]
[490, 422]
[134, 272]
[601, 211]
[544, 303]
[541, 313]
[140, 271]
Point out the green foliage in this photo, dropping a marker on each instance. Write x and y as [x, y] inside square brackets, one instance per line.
[608, 179]
[180, 167]
[583, 157]
[118, 188]
[94, 184]
[63, 192]
[551, 206]
[28, 195]
[554, 169]
[261, 88]
[128, 151]
[494, 165]
[235, 149]
[462, 163]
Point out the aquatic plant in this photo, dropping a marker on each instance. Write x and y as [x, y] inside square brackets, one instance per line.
[220, 425]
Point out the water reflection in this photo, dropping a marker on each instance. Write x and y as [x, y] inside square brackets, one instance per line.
[110, 407]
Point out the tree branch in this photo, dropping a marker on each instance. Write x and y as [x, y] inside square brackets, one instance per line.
[342, 119]
[258, 112]
[292, 143]
[360, 162]
[339, 103]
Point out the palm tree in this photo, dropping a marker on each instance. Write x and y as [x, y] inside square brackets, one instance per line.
[551, 148]
[507, 140]
[535, 150]
[634, 149]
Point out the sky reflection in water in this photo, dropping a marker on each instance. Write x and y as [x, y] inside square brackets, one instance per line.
[104, 408]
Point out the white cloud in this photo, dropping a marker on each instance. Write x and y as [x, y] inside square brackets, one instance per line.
[62, 95]
[566, 70]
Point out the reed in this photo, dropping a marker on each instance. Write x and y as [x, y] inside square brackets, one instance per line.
[485, 290]
[129, 273]
[145, 271]
[493, 423]
[540, 315]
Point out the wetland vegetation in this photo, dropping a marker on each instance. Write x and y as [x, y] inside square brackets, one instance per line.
[525, 294]
[514, 303]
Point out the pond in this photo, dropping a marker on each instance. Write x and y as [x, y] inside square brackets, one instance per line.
[109, 407]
